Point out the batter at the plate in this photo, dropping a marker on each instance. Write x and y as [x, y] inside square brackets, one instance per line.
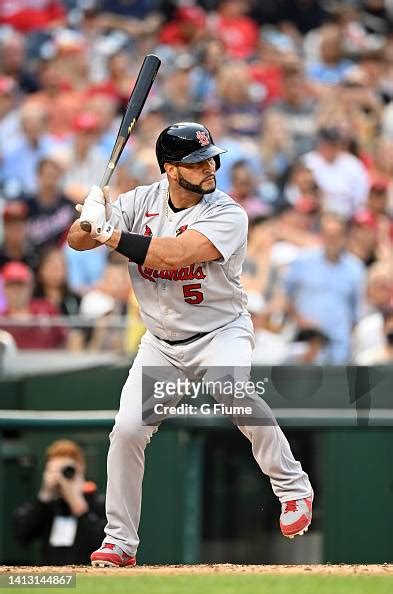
[186, 242]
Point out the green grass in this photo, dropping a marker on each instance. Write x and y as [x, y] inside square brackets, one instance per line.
[224, 584]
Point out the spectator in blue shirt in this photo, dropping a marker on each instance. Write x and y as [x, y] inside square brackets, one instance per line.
[85, 269]
[332, 65]
[324, 287]
[20, 161]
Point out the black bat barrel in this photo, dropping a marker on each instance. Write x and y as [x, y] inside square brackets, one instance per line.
[138, 97]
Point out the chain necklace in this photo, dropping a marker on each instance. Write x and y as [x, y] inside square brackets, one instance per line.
[166, 206]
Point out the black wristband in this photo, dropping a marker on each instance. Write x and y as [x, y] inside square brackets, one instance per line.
[134, 246]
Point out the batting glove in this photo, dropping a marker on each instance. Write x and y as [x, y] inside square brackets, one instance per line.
[91, 206]
[95, 213]
[103, 232]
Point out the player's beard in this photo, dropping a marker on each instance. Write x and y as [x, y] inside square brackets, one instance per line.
[196, 188]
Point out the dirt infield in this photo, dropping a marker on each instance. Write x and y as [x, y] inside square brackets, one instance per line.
[227, 568]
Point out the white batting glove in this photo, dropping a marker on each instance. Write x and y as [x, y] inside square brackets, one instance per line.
[95, 213]
[103, 232]
[100, 230]
[94, 199]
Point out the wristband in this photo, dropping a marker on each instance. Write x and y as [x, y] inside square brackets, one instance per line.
[134, 246]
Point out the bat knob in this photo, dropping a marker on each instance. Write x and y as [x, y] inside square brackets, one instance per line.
[85, 226]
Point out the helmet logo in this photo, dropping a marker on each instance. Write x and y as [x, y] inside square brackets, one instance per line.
[203, 138]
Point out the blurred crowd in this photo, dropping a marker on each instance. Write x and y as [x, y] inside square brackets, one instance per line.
[300, 92]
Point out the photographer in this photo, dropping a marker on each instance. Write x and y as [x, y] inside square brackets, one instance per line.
[68, 516]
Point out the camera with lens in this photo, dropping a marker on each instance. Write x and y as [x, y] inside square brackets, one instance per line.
[68, 471]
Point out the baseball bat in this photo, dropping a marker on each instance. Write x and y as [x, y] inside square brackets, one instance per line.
[137, 99]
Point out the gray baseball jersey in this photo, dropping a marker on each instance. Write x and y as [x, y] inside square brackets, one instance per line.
[176, 304]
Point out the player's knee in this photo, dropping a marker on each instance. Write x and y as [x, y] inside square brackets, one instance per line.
[131, 433]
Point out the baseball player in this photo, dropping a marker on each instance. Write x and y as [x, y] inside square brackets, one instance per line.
[186, 242]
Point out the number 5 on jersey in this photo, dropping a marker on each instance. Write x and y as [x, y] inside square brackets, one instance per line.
[192, 295]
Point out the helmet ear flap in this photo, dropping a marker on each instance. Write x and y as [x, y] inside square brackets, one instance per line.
[160, 153]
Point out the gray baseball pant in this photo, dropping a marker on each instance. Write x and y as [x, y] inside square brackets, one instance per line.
[230, 345]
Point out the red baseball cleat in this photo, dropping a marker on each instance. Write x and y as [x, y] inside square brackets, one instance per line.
[296, 516]
[110, 555]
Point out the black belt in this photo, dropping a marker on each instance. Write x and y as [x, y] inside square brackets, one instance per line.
[173, 342]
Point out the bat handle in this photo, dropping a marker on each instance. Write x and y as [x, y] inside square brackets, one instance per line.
[107, 175]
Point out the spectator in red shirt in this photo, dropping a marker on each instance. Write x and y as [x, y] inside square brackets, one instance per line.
[237, 30]
[31, 15]
[265, 70]
[187, 27]
[27, 319]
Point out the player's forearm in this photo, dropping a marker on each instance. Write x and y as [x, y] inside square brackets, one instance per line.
[79, 239]
[166, 253]
[163, 253]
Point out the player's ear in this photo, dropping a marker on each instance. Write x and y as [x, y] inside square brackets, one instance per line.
[171, 170]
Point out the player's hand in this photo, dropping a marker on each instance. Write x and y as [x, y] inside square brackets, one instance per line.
[95, 196]
[102, 231]
[92, 203]
[93, 209]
